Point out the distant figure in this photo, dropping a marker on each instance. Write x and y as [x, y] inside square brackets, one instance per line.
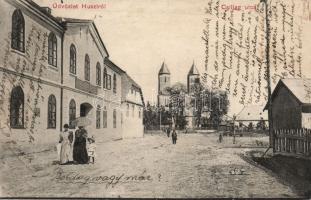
[79, 148]
[220, 137]
[65, 138]
[174, 136]
[91, 150]
[168, 130]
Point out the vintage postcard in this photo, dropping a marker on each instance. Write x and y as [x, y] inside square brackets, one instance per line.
[155, 99]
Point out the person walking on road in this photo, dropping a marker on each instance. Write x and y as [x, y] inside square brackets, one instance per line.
[168, 131]
[220, 137]
[174, 136]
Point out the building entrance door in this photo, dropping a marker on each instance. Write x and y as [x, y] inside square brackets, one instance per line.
[85, 108]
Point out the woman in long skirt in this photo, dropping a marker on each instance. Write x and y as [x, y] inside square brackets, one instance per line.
[79, 148]
[65, 140]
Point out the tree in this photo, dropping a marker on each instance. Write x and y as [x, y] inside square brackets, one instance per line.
[177, 103]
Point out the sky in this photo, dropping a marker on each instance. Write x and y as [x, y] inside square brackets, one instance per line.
[140, 34]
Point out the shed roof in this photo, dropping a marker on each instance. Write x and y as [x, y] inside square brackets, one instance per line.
[300, 88]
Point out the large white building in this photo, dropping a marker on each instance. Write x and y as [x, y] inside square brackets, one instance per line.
[53, 70]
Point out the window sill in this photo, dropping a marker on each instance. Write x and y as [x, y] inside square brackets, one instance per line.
[17, 127]
[18, 52]
[73, 75]
[53, 68]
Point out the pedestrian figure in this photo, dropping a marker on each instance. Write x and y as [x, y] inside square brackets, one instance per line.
[168, 132]
[91, 150]
[220, 138]
[174, 136]
[79, 148]
[65, 139]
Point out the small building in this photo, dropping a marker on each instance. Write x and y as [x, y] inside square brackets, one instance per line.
[291, 104]
[132, 108]
[252, 114]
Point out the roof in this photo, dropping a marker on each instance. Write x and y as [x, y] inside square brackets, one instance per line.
[252, 113]
[109, 63]
[64, 21]
[127, 83]
[299, 88]
[43, 14]
[164, 69]
[193, 70]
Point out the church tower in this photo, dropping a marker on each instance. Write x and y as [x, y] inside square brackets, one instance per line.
[192, 78]
[164, 81]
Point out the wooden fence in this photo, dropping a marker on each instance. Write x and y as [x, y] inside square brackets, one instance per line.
[293, 141]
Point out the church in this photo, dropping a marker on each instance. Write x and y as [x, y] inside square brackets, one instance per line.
[164, 81]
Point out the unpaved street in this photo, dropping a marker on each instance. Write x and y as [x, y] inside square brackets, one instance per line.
[198, 166]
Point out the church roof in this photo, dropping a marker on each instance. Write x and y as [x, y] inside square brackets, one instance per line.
[164, 69]
[193, 70]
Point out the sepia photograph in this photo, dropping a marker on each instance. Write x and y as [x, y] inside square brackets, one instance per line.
[155, 99]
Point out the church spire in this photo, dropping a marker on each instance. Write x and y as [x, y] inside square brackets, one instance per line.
[164, 69]
[193, 70]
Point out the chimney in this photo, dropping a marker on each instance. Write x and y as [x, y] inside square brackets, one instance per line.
[46, 9]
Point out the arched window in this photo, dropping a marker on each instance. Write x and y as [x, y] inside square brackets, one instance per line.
[98, 117]
[105, 78]
[114, 83]
[72, 113]
[73, 59]
[52, 51]
[87, 68]
[133, 110]
[18, 31]
[52, 112]
[98, 74]
[114, 118]
[17, 108]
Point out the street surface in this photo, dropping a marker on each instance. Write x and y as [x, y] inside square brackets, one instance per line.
[197, 166]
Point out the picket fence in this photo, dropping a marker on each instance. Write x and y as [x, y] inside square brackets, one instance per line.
[293, 141]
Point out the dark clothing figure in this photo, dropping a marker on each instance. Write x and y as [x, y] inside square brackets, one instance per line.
[174, 136]
[79, 147]
[168, 131]
[220, 138]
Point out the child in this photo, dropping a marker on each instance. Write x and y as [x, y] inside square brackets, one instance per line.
[91, 150]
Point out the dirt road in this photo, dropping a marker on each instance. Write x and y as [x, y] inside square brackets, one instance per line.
[197, 166]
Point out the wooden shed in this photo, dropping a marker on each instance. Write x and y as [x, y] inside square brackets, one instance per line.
[291, 104]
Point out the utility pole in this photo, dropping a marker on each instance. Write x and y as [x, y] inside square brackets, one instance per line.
[270, 120]
[234, 117]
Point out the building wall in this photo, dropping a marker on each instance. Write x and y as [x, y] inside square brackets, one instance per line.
[24, 69]
[164, 82]
[30, 70]
[286, 111]
[132, 123]
[191, 82]
[106, 99]
[163, 100]
[306, 120]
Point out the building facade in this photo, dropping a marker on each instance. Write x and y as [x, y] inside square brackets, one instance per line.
[193, 77]
[53, 70]
[133, 107]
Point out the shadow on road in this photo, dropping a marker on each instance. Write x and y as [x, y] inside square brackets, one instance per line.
[296, 172]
